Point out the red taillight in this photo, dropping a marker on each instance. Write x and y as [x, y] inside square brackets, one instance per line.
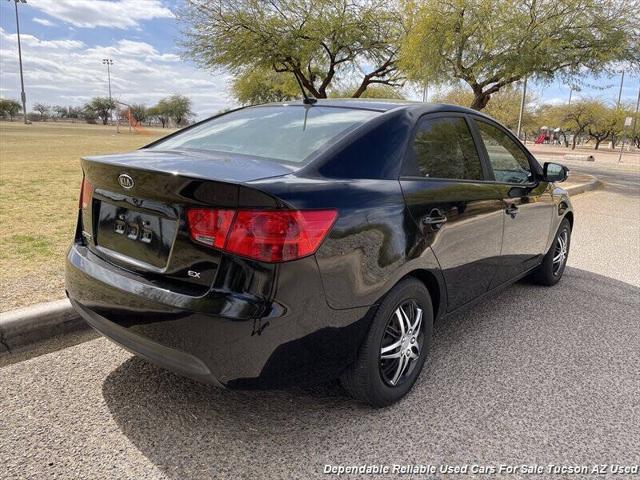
[265, 235]
[85, 193]
[209, 226]
[278, 236]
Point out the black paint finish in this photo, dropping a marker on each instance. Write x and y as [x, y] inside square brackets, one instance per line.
[246, 324]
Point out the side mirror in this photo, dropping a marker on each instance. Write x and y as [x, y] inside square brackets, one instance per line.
[554, 172]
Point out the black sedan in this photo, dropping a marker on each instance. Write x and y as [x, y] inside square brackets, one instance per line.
[289, 243]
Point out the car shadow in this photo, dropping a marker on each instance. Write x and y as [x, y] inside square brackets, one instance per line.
[510, 380]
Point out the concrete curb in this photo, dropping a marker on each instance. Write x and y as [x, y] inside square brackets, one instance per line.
[29, 325]
[592, 184]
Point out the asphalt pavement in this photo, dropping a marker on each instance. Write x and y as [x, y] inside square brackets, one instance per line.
[534, 376]
[620, 178]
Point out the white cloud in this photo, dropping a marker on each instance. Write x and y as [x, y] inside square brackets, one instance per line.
[553, 101]
[130, 47]
[68, 72]
[103, 13]
[44, 21]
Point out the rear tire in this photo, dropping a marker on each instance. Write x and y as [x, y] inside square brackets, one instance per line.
[550, 271]
[392, 355]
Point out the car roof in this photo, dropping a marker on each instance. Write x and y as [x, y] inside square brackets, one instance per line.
[381, 105]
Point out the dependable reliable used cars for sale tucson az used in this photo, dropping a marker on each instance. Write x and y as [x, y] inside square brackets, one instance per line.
[289, 243]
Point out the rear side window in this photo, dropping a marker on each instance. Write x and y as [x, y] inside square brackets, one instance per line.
[285, 133]
[443, 148]
[509, 162]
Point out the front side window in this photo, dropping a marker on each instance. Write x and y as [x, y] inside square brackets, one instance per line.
[509, 162]
[281, 133]
[443, 148]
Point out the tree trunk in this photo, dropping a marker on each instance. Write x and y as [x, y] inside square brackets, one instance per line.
[480, 100]
[361, 89]
[598, 140]
[573, 142]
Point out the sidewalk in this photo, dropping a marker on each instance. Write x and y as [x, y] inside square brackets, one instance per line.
[557, 153]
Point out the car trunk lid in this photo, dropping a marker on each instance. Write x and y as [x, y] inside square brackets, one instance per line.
[135, 217]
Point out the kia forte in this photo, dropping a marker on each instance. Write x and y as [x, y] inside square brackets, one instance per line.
[284, 244]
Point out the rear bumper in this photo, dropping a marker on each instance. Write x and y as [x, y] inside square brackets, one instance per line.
[237, 339]
[169, 358]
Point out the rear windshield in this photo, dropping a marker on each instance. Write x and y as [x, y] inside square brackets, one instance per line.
[284, 133]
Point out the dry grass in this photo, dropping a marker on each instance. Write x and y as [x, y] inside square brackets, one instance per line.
[39, 186]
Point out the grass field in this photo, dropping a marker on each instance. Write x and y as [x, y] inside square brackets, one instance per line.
[39, 186]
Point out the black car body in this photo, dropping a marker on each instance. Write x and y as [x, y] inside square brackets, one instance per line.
[138, 273]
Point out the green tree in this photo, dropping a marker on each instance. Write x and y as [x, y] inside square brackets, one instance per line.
[607, 122]
[504, 106]
[263, 85]
[154, 114]
[161, 112]
[89, 115]
[74, 112]
[635, 129]
[490, 44]
[101, 108]
[318, 41]
[177, 108]
[60, 111]
[374, 91]
[9, 108]
[579, 116]
[43, 110]
[139, 112]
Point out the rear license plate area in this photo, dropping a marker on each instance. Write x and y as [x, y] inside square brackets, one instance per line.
[131, 234]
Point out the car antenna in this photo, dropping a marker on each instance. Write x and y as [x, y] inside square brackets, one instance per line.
[307, 100]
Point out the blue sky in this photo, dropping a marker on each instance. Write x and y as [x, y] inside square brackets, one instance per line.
[64, 41]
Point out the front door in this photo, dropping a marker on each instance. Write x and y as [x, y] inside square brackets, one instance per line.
[528, 203]
[459, 214]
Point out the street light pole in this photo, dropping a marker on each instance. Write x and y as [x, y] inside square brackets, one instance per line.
[620, 91]
[22, 94]
[635, 118]
[522, 102]
[108, 62]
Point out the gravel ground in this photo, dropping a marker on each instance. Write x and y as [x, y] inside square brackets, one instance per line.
[536, 376]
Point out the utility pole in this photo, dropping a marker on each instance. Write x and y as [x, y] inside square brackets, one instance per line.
[22, 94]
[620, 91]
[635, 119]
[108, 62]
[522, 102]
[570, 93]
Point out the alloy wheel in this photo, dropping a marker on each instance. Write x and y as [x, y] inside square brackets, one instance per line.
[401, 343]
[561, 251]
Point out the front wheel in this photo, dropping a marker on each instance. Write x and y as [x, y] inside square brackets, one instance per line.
[553, 265]
[396, 346]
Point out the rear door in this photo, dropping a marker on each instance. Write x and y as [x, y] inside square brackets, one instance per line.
[528, 203]
[459, 213]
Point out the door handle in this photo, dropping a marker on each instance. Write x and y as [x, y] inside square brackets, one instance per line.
[435, 218]
[511, 210]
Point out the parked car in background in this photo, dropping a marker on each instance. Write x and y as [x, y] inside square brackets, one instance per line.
[289, 243]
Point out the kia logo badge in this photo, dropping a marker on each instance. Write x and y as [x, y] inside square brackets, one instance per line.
[125, 181]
